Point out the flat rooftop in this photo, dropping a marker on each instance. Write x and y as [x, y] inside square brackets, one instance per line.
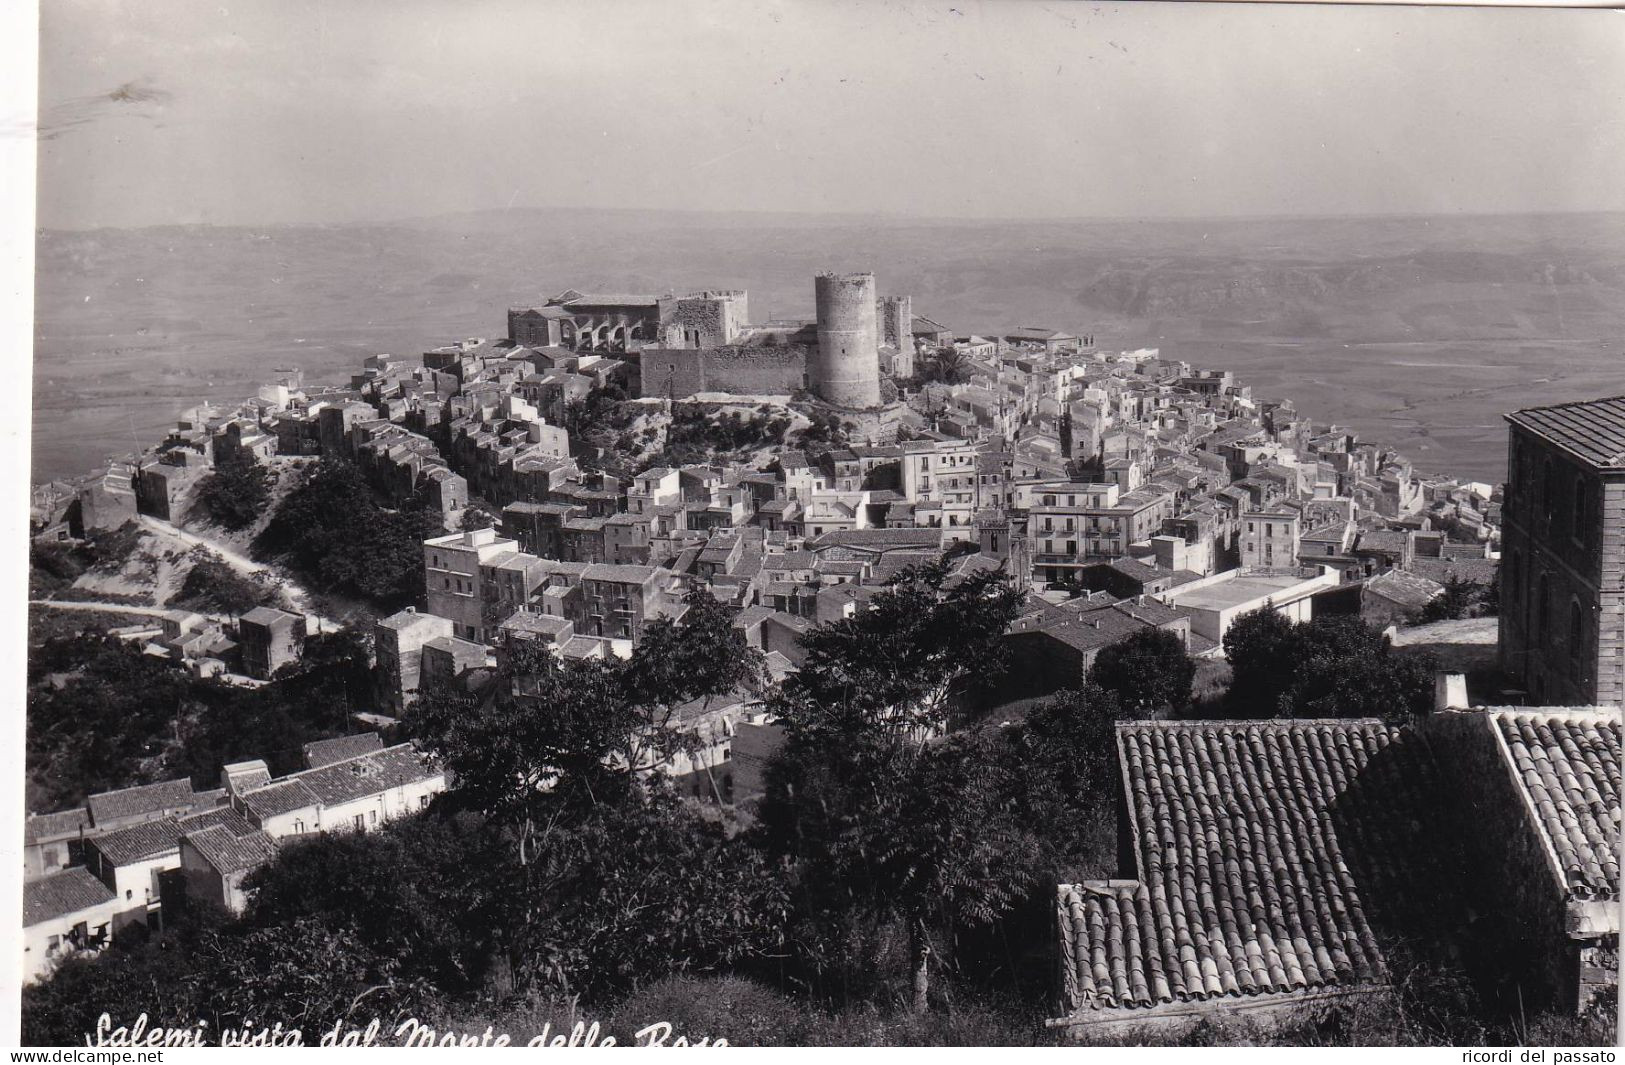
[1235, 592]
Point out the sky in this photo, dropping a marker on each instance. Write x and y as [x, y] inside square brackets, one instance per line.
[255, 112]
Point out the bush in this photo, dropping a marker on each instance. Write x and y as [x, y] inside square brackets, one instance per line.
[236, 493]
[212, 586]
[743, 1012]
[334, 533]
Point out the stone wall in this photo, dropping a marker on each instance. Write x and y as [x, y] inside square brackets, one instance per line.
[742, 370]
[895, 322]
[707, 320]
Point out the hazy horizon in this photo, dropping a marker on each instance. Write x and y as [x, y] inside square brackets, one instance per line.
[299, 112]
[847, 217]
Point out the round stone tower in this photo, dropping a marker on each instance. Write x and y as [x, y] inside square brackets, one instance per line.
[845, 370]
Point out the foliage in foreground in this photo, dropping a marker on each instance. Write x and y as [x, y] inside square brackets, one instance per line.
[896, 890]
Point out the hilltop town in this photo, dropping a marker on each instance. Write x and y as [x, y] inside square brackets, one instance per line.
[621, 465]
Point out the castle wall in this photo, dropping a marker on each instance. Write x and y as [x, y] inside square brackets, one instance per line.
[745, 370]
[708, 320]
[895, 320]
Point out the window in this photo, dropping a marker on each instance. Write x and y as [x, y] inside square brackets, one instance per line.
[372, 816]
[1576, 631]
[360, 823]
[298, 827]
[423, 802]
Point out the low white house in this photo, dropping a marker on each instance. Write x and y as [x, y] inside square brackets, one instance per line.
[355, 794]
[64, 913]
[1214, 602]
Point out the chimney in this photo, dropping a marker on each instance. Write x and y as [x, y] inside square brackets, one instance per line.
[1450, 691]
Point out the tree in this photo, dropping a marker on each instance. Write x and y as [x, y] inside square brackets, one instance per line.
[236, 493]
[884, 818]
[1149, 672]
[607, 880]
[418, 894]
[333, 531]
[551, 736]
[897, 667]
[214, 587]
[478, 516]
[1461, 599]
[1066, 765]
[1263, 648]
[946, 364]
[1334, 666]
[1347, 668]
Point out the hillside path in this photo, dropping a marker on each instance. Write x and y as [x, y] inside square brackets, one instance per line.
[247, 567]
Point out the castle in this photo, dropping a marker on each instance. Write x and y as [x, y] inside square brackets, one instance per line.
[704, 342]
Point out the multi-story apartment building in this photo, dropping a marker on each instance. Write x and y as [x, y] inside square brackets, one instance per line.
[944, 471]
[1073, 523]
[1562, 628]
[1269, 539]
[618, 602]
[452, 572]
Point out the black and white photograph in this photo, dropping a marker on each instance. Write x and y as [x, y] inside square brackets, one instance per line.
[918, 523]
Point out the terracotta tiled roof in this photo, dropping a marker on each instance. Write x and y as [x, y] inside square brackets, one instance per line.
[325, 752]
[1244, 838]
[1567, 764]
[138, 843]
[55, 825]
[229, 853]
[62, 893]
[279, 797]
[1594, 430]
[138, 801]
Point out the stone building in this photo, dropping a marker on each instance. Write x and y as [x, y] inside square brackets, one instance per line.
[270, 639]
[587, 321]
[1562, 627]
[63, 913]
[452, 572]
[399, 640]
[1541, 787]
[1269, 538]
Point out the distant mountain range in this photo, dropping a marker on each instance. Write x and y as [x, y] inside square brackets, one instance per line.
[1418, 331]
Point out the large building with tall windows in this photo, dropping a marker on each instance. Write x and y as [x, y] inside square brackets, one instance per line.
[1563, 553]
